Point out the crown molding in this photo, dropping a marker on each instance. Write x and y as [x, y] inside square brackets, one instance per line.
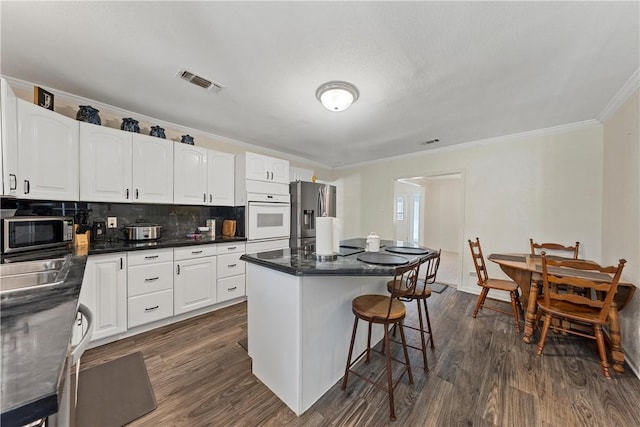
[621, 97]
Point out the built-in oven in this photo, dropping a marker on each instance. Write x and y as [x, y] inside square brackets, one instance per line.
[26, 233]
[268, 216]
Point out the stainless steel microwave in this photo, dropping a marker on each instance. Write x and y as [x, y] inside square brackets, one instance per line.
[27, 233]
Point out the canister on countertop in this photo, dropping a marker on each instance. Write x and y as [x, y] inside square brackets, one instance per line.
[215, 226]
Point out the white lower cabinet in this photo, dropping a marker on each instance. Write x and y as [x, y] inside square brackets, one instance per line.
[150, 286]
[194, 280]
[104, 292]
[231, 271]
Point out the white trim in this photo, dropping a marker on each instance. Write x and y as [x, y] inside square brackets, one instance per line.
[621, 97]
[492, 140]
[25, 85]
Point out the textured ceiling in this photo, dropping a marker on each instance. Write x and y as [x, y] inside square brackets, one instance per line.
[457, 71]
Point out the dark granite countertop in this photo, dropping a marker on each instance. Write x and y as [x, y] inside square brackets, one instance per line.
[170, 242]
[299, 262]
[36, 327]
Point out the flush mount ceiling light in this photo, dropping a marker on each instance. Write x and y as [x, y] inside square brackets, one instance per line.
[337, 96]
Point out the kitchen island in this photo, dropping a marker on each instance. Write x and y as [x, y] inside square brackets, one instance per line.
[300, 319]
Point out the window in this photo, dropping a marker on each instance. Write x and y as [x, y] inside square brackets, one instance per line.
[399, 208]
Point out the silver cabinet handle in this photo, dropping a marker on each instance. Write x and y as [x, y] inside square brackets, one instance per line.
[27, 186]
[231, 265]
[196, 252]
[151, 279]
[13, 182]
[146, 310]
[151, 256]
[232, 289]
[232, 248]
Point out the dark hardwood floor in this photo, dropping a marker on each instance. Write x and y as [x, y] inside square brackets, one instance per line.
[481, 373]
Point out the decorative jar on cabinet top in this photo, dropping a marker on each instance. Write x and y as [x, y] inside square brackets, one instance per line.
[87, 113]
[130, 125]
[157, 131]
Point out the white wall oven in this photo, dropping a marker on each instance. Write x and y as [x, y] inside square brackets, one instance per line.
[268, 216]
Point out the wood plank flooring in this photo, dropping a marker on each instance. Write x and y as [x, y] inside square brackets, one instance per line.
[481, 374]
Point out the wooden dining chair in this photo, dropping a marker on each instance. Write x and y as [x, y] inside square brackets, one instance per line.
[572, 250]
[386, 311]
[587, 302]
[422, 292]
[497, 284]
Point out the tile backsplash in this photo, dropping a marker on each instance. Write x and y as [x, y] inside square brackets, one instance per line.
[177, 220]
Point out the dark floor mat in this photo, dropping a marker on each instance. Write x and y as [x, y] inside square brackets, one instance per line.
[438, 287]
[115, 393]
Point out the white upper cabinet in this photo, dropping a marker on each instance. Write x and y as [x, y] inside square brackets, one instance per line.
[8, 140]
[105, 164]
[221, 179]
[47, 154]
[119, 166]
[265, 168]
[152, 169]
[190, 175]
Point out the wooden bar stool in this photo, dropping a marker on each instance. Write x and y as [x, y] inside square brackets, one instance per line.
[420, 295]
[384, 310]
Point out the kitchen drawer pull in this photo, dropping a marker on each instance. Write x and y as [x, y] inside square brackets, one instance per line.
[231, 265]
[196, 252]
[151, 256]
[210, 198]
[232, 289]
[136, 193]
[127, 194]
[267, 175]
[272, 176]
[204, 197]
[151, 279]
[27, 186]
[232, 248]
[146, 310]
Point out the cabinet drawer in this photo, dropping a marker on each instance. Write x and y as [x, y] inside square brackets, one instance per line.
[150, 307]
[230, 265]
[197, 251]
[228, 248]
[143, 279]
[150, 256]
[230, 287]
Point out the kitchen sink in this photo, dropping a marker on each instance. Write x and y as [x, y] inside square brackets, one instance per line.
[30, 274]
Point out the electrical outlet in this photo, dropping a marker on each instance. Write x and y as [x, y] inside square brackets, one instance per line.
[112, 222]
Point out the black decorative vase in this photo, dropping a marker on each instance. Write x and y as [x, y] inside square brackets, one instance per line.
[157, 131]
[130, 125]
[187, 139]
[88, 114]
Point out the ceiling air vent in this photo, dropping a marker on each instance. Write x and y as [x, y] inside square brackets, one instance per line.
[199, 80]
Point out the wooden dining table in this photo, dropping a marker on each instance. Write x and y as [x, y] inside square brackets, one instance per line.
[526, 271]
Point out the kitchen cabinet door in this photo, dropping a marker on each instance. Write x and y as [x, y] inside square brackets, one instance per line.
[105, 164]
[8, 139]
[152, 169]
[47, 154]
[104, 292]
[279, 170]
[221, 179]
[258, 167]
[190, 175]
[194, 284]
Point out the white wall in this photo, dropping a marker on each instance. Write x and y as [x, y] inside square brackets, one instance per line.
[621, 212]
[443, 213]
[546, 185]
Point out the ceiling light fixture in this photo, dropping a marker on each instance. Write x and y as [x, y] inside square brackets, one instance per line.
[337, 96]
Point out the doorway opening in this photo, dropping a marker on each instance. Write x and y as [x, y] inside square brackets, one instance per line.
[429, 211]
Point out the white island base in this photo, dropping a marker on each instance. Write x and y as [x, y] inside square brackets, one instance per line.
[299, 329]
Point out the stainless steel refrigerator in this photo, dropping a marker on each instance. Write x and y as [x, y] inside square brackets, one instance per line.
[309, 200]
